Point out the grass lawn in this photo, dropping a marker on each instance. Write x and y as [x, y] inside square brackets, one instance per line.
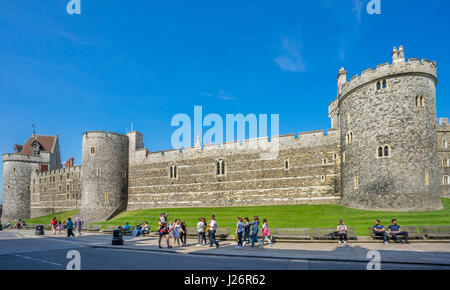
[290, 216]
[46, 219]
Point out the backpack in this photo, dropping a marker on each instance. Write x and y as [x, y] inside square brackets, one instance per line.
[266, 232]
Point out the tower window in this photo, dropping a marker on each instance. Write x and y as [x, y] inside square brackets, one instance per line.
[324, 161]
[445, 162]
[106, 197]
[349, 138]
[14, 170]
[173, 172]
[420, 101]
[322, 177]
[378, 86]
[335, 156]
[445, 144]
[356, 182]
[286, 164]
[60, 188]
[427, 178]
[220, 167]
[67, 187]
[383, 151]
[445, 180]
[8, 186]
[99, 171]
[384, 84]
[93, 151]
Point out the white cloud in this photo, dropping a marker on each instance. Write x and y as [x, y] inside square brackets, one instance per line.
[357, 9]
[291, 59]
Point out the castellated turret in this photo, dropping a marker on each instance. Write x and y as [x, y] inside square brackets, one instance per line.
[104, 175]
[40, 153]
[388, 124]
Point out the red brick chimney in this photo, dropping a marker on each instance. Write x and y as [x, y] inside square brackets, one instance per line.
[69, 163]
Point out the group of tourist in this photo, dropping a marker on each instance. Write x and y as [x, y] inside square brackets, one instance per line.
[244, 227]
[69, 225]
[176, 230]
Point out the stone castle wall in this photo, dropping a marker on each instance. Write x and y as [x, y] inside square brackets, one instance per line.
[253, 176]
[55, 191]
[444, 152]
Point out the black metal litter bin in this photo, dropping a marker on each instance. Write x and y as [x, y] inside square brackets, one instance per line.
[117, 237]
[39, 230]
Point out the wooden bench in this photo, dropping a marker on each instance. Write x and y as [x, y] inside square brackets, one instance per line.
[93, 228]
[332, 234]
[413, 233]
[110, 228]
[435, 232]
[291, 234]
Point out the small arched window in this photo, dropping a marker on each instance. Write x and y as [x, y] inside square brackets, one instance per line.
[386, 151]
[380, 151]
[422, 101]
[286, 164]
[445, 181]
[378, 86]
[445, 162]
[384, 84]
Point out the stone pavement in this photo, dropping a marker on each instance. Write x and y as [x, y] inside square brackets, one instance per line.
[414, 253]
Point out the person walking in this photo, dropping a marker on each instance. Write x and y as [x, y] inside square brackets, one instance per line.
[342, 232]
[255, 230]
[69, 227]
[78, 224]
[266, 233]
[239, 232]
[212, 231]
[247, 237]
[200, 232]
[54, 224]
[163, 230]
[183, 234]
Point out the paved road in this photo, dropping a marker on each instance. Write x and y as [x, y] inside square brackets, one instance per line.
[20, 253]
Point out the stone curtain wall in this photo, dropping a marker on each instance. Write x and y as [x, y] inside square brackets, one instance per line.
[444, 134]
[250, 179]
[55, 191]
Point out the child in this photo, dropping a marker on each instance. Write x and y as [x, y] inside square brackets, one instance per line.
[60, 227]
[266, 232]
[239, 231]
[247, 231]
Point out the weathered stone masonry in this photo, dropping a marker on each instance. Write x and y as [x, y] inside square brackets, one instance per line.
[385, 151]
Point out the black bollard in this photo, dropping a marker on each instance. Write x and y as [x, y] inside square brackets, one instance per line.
[39, 230]
[117, 237]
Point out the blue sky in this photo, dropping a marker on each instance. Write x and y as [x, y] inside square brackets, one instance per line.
[145, 61]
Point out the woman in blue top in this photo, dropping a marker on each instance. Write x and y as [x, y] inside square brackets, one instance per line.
[239, 231]
[255, 229]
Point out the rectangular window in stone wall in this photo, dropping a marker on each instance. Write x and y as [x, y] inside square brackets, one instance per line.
[427, 178]
[286, 164]
[99, 171]
[173, 172]
[106, 197]
[356, 182]
[220, 167]
[92, 150]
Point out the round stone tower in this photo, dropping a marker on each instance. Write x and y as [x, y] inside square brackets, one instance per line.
[16, 186]
[104, 175]
[387, 118]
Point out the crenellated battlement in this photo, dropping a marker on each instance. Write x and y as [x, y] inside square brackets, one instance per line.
[57, 171]
[263, 145]
[386, 70]
[103, 134]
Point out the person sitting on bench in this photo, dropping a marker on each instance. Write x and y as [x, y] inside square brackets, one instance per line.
[395, 230]
[342, 232]
[380, 230]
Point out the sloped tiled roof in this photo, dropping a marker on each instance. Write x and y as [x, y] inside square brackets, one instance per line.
[47, 143]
